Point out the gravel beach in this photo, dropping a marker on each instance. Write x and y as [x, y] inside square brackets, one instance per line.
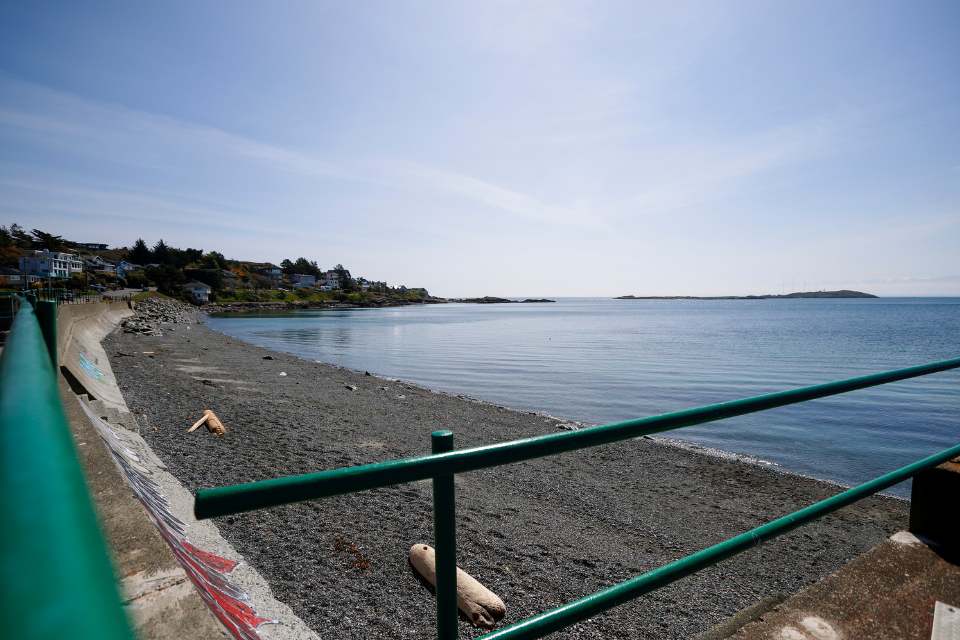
[539, 533]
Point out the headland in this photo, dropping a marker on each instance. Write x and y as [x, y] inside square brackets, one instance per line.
[843, 293]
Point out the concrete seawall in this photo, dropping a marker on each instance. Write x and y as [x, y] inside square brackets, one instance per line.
[80, 328]
[179, 577]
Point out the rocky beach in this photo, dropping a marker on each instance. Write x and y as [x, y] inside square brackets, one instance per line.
[539, 533]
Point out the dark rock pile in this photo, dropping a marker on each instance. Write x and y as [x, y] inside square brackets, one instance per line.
[152, 313]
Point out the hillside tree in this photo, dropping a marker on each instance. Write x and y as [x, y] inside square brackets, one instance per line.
[140, 253]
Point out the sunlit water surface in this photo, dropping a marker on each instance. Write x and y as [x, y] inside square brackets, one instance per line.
[599, 360]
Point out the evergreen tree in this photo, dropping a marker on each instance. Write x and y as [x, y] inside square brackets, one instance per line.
[346, 282]
[302, 265]
[48, 241]
[161, 253]
[20, 237]
[140, 254]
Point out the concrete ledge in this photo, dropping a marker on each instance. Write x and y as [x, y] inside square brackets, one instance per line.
[160, 599]
[887, 593]
[164, 597]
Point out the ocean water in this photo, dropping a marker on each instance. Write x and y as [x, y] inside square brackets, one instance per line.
[599, 360]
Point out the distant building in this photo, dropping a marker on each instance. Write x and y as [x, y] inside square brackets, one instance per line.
[51, 264]
[271, 271]
[99, 265]
[303, 280]
[330, 281]
[199, 291]
[124, 268]
[13, 278]
[92, 246]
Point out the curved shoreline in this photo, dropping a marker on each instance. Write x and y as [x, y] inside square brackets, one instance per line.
[538, 533]
[570, 424]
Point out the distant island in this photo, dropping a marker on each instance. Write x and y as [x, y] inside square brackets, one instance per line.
[494, 300]
[843, 293]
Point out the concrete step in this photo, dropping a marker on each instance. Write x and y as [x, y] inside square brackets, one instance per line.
[890, 592]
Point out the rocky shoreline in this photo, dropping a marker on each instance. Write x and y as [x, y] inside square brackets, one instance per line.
[254, 307]
[539, 533]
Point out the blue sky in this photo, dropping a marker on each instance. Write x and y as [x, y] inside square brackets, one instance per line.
[501, 148]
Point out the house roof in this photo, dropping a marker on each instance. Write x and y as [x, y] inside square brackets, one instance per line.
[196, 285]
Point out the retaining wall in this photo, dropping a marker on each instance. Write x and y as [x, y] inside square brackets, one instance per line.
[178, 576]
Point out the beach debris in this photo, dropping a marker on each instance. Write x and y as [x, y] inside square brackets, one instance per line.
[360, 561]
[352, 387]
[208, 383]
[213, 423]
[268, 357]
[400, 396]
[482, 607]
[283, 374]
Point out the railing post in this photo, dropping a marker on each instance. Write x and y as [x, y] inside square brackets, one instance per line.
[47, 316]
[445, 541]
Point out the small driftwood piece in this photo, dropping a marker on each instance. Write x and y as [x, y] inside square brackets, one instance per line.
[212, 421]
[482, 607]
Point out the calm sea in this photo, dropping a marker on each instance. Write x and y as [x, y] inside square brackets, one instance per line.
[599, 360]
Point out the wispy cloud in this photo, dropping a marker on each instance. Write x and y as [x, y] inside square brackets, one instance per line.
[123, 133]
[96, 203]
[698, 174]
[486, 194]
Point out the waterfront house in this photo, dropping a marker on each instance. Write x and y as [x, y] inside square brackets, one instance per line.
[330, 281]
[51, 264]
[198, 291]
[303, 280]
[93, 246]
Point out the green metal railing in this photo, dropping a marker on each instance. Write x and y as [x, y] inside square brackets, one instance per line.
[445, 463]
[56, 580]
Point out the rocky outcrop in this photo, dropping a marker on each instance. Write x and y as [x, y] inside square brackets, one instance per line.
[495, 300]
[247, 307]
[152, 313]
[843, 293]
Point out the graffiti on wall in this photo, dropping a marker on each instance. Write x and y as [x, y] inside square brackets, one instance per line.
[208, 571]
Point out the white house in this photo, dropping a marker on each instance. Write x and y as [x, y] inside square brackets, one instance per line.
[199, 291]
[331, 281]
[51, 264]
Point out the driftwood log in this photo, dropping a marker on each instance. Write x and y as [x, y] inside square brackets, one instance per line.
[212, 421]
[482, 607]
